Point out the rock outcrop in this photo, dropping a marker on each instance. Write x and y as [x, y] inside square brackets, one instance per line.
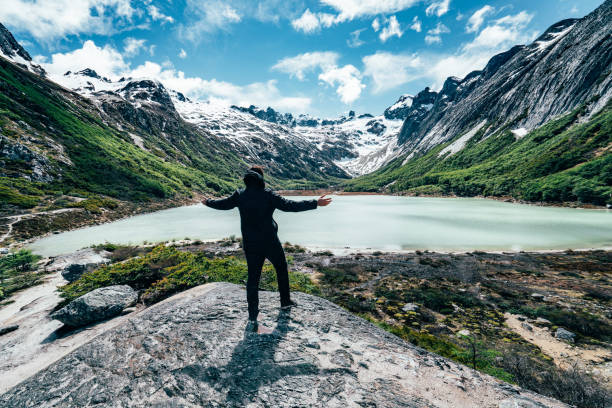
[99, 304]
[192, 350]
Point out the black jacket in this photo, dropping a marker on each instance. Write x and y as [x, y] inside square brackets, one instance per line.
[256, 205]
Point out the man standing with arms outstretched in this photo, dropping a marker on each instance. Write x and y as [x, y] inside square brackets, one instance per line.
[259, 232]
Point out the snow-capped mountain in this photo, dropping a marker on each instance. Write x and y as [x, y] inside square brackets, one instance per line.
[522, 88]
[356, 144]
[14, 52]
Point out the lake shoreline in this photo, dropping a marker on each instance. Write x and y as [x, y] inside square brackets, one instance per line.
[112, 216]
[506, 199]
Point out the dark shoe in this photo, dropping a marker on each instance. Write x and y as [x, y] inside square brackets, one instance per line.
[252, 326]
[288, 305]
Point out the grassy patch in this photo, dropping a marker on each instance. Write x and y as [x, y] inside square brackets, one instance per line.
[18, 271]
[166, 270]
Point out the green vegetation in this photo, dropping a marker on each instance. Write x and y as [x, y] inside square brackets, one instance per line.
[95, 204]
[18, 271]
[166, 270]
[561, 161]
[178, 161]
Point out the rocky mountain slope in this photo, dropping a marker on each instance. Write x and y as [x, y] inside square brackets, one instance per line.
[124, 139]
[350, 144]
[524, 87]
[193, 350]
[533, 124]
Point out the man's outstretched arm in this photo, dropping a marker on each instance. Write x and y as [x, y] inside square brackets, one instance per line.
[283, 204]
[224, 203]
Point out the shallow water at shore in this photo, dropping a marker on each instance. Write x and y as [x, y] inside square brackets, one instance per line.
[385, 223]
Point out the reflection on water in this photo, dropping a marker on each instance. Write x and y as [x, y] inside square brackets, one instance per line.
[376, 222]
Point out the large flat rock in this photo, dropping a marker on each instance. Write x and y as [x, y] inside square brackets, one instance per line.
[192, 350]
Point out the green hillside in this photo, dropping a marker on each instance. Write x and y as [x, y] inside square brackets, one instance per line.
[562, 161]
[87, 155]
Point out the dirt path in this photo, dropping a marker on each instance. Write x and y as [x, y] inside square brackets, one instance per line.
[16, 218]
[563, 354]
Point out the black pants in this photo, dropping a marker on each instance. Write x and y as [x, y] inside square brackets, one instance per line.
[255, 259]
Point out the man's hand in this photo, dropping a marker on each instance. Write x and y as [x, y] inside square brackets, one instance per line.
[322, 201]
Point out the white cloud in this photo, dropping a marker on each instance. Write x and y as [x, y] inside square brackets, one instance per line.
[391, 70]
[109, 62]
[416, 24]
[311, 22]
[299, 65]
[47, 20]
[208, 17]
[433, 35]
[439, 8]
[348, 79]
[376, 24]
[348, 10]
[106, 61]
[351, 9]
[183, 54]
[355, 41]
[504, 31]
[439, 29]
[132, 46]
[392, 29]
[308, 22]
[158, 15]
[476, 20]
[433, 39]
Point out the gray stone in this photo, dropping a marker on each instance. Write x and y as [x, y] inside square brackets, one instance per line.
[526, 326]
[410, 307]
[563, 334]
[193, 350]
[537, 296]
[543, 322]
[99, 304]
[8, 329]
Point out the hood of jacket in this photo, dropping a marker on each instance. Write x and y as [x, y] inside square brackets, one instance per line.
[253, 179]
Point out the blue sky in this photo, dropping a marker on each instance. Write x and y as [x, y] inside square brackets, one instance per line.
[320, 57]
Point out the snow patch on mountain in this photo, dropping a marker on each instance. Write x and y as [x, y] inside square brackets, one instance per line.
[459, 144]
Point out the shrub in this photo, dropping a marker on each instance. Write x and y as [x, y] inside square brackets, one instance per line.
[18, 271]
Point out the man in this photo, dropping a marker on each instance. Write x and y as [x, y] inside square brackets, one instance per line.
[259, 232]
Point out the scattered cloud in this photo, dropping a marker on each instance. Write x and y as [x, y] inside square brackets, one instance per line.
[47, 20]
[355, 41]
[438, 8]
[133, 46]
[299, 65]
[158, 15]
[348, 10]
[504, 31]
[433, 39]
[109, 62]
[433, 35]
[416, 24]
[182, 54]
[348, 79]
[312, 22]
[476, 20]
[392, 29]
[208, 17]
[376, 24]
[389, 70]
[106, 61]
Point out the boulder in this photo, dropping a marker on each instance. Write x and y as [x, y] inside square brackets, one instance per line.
[74, 271]
[543, 322]
[566, 335]
[195, 350]
[99, 304]
[8, 329]
[410, 307]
